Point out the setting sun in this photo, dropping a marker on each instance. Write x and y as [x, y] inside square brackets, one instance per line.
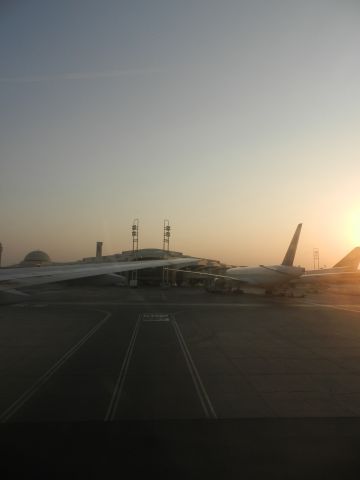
[354, 227]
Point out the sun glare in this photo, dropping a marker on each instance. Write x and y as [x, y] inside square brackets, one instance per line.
[354, 227]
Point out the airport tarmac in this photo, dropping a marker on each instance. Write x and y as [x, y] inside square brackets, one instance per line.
[211, 366]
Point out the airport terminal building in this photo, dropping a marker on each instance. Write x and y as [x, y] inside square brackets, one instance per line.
[154, 276]
[189, 276]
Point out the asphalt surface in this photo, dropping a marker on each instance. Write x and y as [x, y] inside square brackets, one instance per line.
[180, 381]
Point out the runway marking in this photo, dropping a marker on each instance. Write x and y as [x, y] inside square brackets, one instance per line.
[161, 304]
[335, 307]
[344, 307]
[199, 386]
[156, 317]
[14, 407]
[111, 411]
[210, 304]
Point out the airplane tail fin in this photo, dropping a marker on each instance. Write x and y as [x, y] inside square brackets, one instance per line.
[351, 260]
[290, 254]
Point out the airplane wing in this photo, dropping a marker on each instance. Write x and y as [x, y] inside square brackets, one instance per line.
[13, 278]
[327, 276]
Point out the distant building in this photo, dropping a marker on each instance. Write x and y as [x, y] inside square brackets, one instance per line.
[154, 276]
[130, 256]
[36, 258]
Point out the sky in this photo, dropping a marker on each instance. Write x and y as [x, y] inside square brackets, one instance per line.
[234, 119]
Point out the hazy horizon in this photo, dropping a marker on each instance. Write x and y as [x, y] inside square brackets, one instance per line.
[235, 120]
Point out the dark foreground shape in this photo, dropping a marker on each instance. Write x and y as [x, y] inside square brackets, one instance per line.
[242, 449]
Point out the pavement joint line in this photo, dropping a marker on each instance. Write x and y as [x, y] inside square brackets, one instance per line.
[15, 406]
[115, 398]
[199, 386]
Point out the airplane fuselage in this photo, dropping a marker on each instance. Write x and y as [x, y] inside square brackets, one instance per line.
[265, 276]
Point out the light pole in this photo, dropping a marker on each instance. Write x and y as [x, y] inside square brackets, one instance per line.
[316, 258]
[135, 249]
[166, 248]
[166, 236]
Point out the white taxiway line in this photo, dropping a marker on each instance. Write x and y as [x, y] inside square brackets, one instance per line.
[111, 411]
[199, 386]
[14, 407]
[221, 305]
[334, 307]
[152, 304]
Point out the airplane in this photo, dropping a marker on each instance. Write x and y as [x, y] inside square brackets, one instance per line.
[268, 278]
[11, 279]
[344, 271]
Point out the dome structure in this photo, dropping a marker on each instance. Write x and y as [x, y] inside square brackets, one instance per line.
[36, 257]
